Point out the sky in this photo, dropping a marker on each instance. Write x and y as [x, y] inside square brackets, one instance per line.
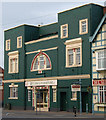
[32, 12]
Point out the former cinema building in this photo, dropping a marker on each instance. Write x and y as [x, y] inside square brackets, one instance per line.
[45, 65]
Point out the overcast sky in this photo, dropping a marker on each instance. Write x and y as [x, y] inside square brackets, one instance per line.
[16, 12]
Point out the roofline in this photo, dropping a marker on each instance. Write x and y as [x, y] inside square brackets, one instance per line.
[48, 24]
[19, 26]
[91, 38]
[79, 7]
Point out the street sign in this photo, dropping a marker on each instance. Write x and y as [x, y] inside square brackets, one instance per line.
[75, 87]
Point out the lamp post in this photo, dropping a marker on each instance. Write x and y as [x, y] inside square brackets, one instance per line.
[80, 97]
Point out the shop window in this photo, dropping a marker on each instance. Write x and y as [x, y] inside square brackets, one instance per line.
[29, 95]
[13, 62]
[19, 42]
[64, 31]
[101, 60]
[74, 95]
[13, 91]
[83, 26]
[7, 45]
[102, 94]
[54, 95]
[41, 62]
[73, 53]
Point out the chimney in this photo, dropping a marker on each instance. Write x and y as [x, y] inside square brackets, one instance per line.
[104, 10]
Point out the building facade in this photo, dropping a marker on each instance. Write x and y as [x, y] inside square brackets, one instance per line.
[47, 66]
[98, 41]
[1, 85]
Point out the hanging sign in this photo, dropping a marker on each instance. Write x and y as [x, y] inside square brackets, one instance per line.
[75, 87]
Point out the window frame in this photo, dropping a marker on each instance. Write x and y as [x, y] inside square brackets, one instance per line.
[13, 56]
[18, 45]
[10, 90]
[45, 65]
[73, 45]
[7, 44]
[103, 94]
[80, 26]
[97, 66]
[65, 25]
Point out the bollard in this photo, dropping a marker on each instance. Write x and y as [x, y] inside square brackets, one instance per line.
[74, 110]
[87, 108]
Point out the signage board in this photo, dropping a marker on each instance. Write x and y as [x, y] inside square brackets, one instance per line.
[75, 87]
[41, 83]
[99, 82]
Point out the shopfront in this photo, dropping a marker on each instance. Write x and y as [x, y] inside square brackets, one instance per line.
[41, 93]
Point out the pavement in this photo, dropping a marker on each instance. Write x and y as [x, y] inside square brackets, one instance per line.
[62, 115]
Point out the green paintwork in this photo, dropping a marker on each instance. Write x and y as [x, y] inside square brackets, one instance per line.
[57, 56]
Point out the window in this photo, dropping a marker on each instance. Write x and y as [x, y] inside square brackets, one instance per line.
[41, 62]
[83, 26]
[54, 95]
[13, 62]
[101, 60]
[29, 95]
[102, 94]
[74, 52]
[7, 45]
[74, 95]
[19, 42]
[0, 81]
[13, 91]
[64, 31]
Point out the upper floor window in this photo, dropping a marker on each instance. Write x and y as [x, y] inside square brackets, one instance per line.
[19, 42]
[74, 52]
[102, 94]
[7, 45]
[83, 26]
[101, 60]
[41, 62]
[64, 31]
[13, 62]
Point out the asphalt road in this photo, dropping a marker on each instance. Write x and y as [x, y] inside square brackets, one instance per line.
[32, 115]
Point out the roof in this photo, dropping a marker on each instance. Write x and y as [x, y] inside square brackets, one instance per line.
[80, 7]
[97, 30]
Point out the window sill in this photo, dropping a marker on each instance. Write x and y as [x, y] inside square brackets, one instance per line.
[74, 99]
[74, 66]
[64, 37]
[101, 69]
[83, 33]
[40, 70]
[13, 98]
[12, 72]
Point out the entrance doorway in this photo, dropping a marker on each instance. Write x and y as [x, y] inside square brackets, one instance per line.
[41, 100]
[63, 101]
[84, 101]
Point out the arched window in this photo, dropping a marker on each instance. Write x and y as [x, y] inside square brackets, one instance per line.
[41, 62]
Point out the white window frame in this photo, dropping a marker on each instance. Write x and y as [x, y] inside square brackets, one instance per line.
[45, 65]
[74, 95]
[103, 94]
[62, 36]
[13, 55]
[29, 95]
[104, 57]
[7, 46]
[18, 42]
[80, 26]
[16, 88]
[73, 44]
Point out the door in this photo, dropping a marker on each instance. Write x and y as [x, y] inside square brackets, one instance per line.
[84, 101]
[63, 101]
